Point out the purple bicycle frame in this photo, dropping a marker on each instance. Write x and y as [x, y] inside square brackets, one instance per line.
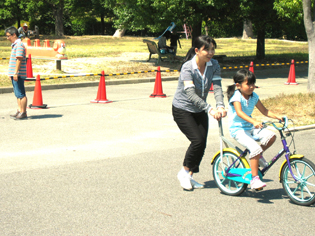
[284, 150]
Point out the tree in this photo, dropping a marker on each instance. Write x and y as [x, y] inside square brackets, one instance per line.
[12, 12]
[247, 30]
[294, 10]
[262, 15]
[310, 31]
[54, 9]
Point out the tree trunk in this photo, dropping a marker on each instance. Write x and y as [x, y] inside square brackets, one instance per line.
[206, 30]
[309, 28]
[102, 23]
[247, 30]
[260, 47]
[58, 13]
[119, 33]
[196, 31]
[18, 22]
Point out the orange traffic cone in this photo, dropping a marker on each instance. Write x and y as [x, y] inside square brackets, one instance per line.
[36, 43]
[101, 93]
[46, 43]
[29, 68]
[291, 77]
[37, 97]
[211, 88]
[158, 91]
[251, 66]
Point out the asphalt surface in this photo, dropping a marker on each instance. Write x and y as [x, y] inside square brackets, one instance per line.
[80, 168]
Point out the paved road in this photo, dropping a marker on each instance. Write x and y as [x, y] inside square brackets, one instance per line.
[80, 168]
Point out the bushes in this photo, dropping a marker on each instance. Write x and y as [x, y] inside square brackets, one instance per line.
[87, 26]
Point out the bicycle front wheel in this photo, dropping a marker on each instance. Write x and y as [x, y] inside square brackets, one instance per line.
[301, 192]
[227, 186]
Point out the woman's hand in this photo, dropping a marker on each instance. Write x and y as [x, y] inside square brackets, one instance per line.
[216, 114]
[223, 111]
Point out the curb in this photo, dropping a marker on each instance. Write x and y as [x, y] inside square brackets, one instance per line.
[301, 128]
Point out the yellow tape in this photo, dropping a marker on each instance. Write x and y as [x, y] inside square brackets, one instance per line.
[139, 72]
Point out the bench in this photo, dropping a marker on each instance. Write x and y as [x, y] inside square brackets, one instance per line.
[153, 49]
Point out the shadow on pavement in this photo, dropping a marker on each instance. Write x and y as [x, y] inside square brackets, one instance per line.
[44, 116]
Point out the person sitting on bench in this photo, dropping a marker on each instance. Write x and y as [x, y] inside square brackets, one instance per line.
[162, 43]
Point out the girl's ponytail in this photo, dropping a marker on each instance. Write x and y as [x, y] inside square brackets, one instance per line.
[230, 91]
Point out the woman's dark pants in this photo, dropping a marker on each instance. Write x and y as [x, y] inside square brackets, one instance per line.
[195, 127]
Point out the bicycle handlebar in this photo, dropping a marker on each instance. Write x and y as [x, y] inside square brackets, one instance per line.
[285, 123]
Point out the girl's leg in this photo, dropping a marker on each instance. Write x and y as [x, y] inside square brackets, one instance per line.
[266, 137]
[245, 139]
[269, 143]
[254, 162]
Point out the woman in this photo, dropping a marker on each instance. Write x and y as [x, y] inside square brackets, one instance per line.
[190, 109]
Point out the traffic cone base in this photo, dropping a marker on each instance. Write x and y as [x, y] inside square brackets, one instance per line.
[100, 101]
[37, 107]
[158, 90]
[37, 97]
[158, 96]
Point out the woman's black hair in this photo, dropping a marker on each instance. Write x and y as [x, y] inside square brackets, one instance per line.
[239, 77]
[199, 42]
[12, 30]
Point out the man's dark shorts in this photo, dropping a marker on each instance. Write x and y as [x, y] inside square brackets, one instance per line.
[18, 87]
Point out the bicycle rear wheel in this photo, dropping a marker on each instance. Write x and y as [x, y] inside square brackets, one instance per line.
[227, 186]
[301, 192]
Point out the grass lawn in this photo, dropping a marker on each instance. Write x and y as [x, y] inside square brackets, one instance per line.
[92, 54]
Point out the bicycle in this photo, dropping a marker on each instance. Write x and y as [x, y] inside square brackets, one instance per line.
[232, 173]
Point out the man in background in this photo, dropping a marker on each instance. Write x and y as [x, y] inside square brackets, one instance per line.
[17, 71]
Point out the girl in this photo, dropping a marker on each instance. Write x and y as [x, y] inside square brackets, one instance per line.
[190, 109]
[243, 128]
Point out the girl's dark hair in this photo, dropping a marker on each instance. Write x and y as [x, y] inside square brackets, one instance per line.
[199, 42]
[239, 77]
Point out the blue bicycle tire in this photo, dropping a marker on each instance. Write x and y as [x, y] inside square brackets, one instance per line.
[303, 191]
[226, 186]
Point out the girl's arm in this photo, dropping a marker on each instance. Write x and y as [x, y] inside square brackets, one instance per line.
[266, 112]
[241, 114]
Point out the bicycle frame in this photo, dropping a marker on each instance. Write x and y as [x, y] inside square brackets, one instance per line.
[285, 151]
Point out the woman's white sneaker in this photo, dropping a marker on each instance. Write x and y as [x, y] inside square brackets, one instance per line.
[195, 184]
[184, 179]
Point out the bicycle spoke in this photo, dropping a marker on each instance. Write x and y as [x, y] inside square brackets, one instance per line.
[297, 171]
[304, 170]
[306, 178]
[297, 188]
[308, 191]
[302, 193]
[235, 183]
[308, 183]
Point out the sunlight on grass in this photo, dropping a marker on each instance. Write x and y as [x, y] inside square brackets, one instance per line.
[298, 107]
[91, 54]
